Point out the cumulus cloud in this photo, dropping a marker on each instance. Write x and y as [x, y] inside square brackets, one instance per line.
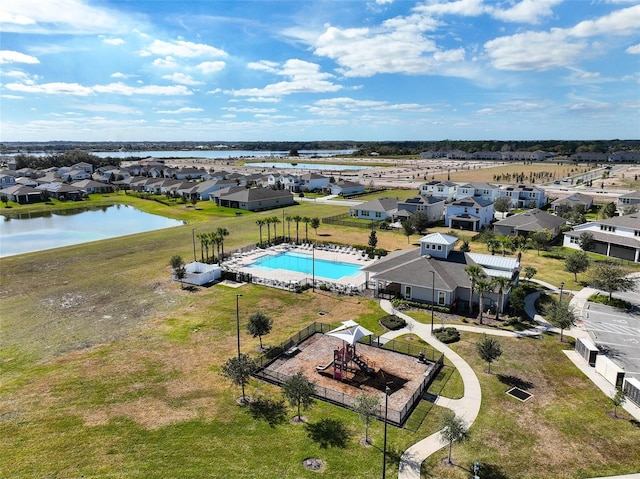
[9, 56]
[526, 11]
[211, 67]
[113, 41]
[302, 77]
[75, 89]
[166, 62]
[182, 49]
[180, 111]
[182, 78]
[634, 49]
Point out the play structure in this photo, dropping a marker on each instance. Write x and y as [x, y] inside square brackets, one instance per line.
[345, 359]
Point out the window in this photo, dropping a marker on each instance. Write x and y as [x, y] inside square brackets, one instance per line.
[378, 214]
[465, 209]
[407, 292]
[439, 247]
[441, 298]
[364, 213]
[477, 210]
[433, 246]
[636, 233]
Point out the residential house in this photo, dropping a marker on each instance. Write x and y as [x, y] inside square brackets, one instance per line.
[379, 209]
[313, 181]
[431, 206]
[254, 199]
[617, 237]
[205, 188]
[22, 194]
[61, 191]
[91, 186]
[478, 189]
[629, 200]
[6, 180]
[529, 221]
[344, 187]
[435, 273]
[187, 173]
[575, 199]
[472, 214]
[83, 165]
[524, 196]
[440, 189]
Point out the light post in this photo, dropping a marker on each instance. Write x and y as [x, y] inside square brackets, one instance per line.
[238, 322]
[561, 288]
[283, 226]
[193, 239]
[384, 446]
[313, 267]
[433, 296]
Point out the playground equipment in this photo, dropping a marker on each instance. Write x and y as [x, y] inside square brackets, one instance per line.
[350, 332]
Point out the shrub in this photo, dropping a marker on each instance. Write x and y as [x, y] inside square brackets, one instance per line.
[403, 305]
[447, 335]
[604, 299]
[393, 322]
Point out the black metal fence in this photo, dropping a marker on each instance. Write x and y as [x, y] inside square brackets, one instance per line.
[341, 221]
[396, 417]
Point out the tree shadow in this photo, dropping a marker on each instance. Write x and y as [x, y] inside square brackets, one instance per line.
[491, 471]
[328, 433]
[515, 381]
[272, 411]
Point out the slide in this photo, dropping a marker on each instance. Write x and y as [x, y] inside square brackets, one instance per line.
[322, 368]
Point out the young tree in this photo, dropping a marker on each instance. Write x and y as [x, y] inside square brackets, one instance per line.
[576, 262]
[373, 241]
[259, 325]
[408, 230]
[540, 239]
[586, 241]
[561, 315]
[464, 247]
[179, 270]
[239, 370]
[530, 272]
[474, 272]
[493, 244]
[517, 300]
[315, 224]
[610, 278]
[489, 350]
[420, 221]
[502, 205]
[299, 391]
[608, 210]
[453, 429]
[367, 406]
[483, 286]
[618, 400]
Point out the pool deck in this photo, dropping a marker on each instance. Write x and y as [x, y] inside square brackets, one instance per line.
[282, 278]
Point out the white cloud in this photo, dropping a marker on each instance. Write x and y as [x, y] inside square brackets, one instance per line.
[167, 62]
[9, 56]
[113, 41]
[179, 111]
[465, 8]
[62, 88]
[54, 88]
[211, 67]
[526, 11]
[119, 75]
[264, 65]
[302, 77]
[634, 49]
[8, 18]
[12, 97]
[625, 21]
[182, 49]
[182, 78]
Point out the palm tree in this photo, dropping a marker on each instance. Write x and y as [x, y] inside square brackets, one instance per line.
[306, 220]
[260, 224]
[268, 221]
[474, 272]
[483, 286]
[502, 284]
[297, 219]
[215, 240]
[289, 219]
[222, 232]
[202, 238]
[275, 220]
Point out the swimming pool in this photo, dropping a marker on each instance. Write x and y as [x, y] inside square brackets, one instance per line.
[304, 263]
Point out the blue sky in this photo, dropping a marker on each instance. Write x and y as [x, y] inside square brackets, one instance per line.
[132, 70]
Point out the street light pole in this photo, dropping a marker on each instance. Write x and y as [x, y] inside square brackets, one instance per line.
[238, 322]
[433, 296]
[384, 446]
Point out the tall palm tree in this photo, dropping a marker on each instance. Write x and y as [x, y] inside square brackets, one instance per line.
[306, 220]
[222, 232]
[260, 224]
[202, 237]
[268, 222]
[289, 219]
[474, 272]
[483, 286]
[215, 240]
[502, 284]
[275, 220]
[297, 219]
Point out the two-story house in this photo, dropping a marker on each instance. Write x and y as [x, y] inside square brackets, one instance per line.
[472, 214]
[524, 196]
[431, 206]
[440, 189]
[478, 189]
[617, 237]
[313, 182]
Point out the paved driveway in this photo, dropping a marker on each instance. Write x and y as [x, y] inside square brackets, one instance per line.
[617, 331]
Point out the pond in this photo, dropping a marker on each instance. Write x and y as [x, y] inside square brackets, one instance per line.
[306, 166]
[36, 232]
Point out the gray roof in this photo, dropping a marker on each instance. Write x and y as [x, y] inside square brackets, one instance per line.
[379, 204]
[604, 237]
[633, 194]
[423, 200]
[479, 185]
[256, 194]
[473, 202]
[627, 221]
[574, 198]
[532, 220]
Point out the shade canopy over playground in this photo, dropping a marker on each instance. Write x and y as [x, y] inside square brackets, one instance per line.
[350, 332]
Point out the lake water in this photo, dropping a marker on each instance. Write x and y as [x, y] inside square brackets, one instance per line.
[305, 166]
[37, 232]
[211, 154]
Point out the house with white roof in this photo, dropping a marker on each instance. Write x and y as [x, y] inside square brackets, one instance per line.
[617, 237]
[471, 214]
[435, 272]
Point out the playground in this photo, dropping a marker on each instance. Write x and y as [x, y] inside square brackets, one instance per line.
[343, 371]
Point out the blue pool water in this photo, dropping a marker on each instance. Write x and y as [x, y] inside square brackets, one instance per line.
[303, 263]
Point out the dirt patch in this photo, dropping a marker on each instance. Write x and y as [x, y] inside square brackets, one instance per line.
[149, 413]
